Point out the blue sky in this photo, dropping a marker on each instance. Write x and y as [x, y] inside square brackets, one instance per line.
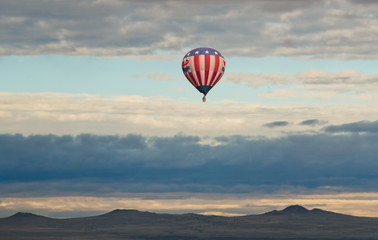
[95, 113]
[110, 76]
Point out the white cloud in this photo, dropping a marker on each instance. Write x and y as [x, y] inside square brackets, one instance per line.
[307, 77]
[300, 93]
[258, 79]
[44, 113]
[347, 85]
[346, 76]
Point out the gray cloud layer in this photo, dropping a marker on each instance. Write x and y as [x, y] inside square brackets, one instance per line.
[312, 122]
[87, 164]
[276, 124]
[338, 29]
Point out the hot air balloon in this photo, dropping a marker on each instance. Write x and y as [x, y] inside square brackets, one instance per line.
[203, 67]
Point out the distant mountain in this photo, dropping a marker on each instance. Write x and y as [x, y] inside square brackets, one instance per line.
[26, 218]
[21, 215]
[291, 223]
[294, 209]
[299, 210]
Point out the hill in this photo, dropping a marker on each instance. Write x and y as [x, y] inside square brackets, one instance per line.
[293, 222]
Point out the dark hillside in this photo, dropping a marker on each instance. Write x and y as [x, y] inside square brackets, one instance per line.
[294, 222]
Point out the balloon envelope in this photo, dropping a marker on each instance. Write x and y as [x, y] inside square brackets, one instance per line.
[203, 67]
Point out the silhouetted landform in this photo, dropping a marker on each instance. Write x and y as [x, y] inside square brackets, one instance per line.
[294, 222]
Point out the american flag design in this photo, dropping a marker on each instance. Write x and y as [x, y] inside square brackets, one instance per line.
[203, 67]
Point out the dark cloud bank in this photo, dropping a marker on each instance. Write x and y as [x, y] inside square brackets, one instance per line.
[362, 126]
[88, 164]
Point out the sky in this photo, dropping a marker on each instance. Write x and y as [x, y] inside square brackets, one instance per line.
[96, 114]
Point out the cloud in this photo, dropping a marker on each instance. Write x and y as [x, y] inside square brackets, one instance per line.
[313, 79]
[276, 124]
[345, 80]
[43, 165]
[311, 85]
[327, 29]
[258, 80]
[312, 122]
[356, 127]
[73, 114]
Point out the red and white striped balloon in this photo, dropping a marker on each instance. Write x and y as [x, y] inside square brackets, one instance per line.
[203, 67]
